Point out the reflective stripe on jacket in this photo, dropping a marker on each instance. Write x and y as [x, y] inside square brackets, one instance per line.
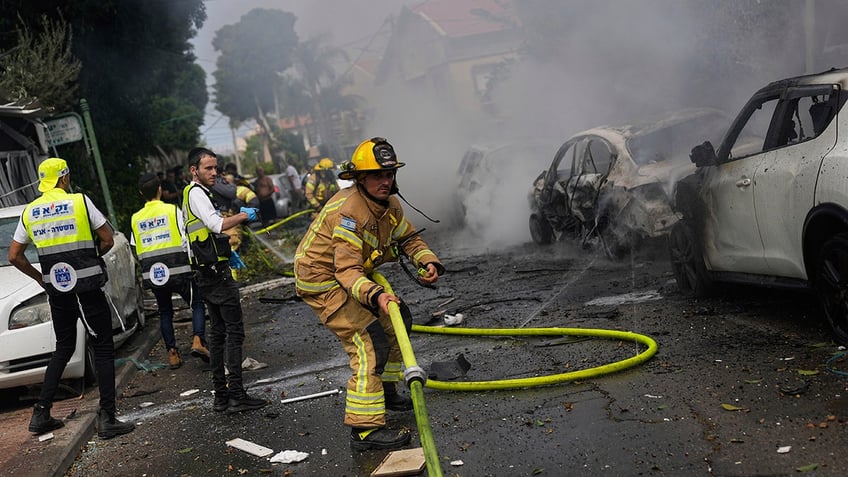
[159, 244]
[319, 192]
[350, 237]
[58, 225]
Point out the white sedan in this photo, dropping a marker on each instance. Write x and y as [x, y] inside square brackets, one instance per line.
[26, 332]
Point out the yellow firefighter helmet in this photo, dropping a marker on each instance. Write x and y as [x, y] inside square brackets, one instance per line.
[325, 164]
[375, 154]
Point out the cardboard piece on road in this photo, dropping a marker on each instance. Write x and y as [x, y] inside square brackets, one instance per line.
[402, 462]
[250, 447]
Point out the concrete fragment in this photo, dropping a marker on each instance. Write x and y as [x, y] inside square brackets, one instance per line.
[250, 447]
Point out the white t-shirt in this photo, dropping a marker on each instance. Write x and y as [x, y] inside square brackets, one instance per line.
[294, 177]
[95, 218]
[202, 208]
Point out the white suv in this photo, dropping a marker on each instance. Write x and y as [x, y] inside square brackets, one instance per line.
[770, 205]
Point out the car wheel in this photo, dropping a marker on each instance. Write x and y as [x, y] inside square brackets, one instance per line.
[90, 378]
[832, 284]
[540, 230]
[687, 261]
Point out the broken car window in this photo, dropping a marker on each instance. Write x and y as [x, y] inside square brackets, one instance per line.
[750, 139]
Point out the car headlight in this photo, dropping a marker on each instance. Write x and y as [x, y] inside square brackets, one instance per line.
[32, 312]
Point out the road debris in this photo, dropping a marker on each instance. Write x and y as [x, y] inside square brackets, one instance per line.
[453, 320]
[250, 447]
[189, 392]
[784, 449]
[401, 462]
[45, 437]
[251, 364]
[447, 370]
[289, 457]
[311, 396]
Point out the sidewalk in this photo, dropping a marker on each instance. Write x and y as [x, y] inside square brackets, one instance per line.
[21, 453]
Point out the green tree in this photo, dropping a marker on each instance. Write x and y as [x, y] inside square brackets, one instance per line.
[313, 66]
[254, 52]
[41, 68]
[138, 75]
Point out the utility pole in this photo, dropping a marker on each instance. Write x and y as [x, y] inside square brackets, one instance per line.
[97, 162]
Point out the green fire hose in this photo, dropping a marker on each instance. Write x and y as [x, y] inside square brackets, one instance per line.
[416, 377]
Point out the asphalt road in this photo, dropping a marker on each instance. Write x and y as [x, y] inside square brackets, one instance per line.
[738, 386]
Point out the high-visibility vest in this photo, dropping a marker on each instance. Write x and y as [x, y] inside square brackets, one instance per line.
[58, 225]
[196, 230]
[158, 244]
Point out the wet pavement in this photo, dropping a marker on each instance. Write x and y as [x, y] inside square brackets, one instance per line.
[739, 386]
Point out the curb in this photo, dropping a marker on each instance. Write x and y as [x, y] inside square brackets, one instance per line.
[86, 425]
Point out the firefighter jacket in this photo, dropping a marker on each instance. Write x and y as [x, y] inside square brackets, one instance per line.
[58, 225]
[245, 197]
[351, 236]
[159, 244]
[318, 191]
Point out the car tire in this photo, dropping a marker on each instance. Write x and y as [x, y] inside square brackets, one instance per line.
[831, 284]
[90, 377]
[687, 261]
[540, 230]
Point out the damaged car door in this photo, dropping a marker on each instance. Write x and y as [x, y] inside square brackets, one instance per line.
[788, 175]
[731, 234]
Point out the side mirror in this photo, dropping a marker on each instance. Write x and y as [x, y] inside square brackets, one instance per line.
[703, 155]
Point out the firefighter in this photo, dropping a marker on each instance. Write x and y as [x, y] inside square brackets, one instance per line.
[71, 236]
[352, 235]
[160, 244]
[321, 184]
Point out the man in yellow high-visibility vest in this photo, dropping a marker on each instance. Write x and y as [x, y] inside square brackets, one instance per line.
[161, 247]
[62, 226]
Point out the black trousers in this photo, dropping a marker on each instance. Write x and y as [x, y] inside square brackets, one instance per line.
[93, 309]
[225, 335]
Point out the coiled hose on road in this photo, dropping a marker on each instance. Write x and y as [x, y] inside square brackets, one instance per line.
[416, 378]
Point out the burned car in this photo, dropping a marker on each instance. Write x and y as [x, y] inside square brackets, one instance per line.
[612, 184]
[769, 206]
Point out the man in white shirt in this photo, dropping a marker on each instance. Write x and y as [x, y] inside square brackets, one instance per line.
[211, 252]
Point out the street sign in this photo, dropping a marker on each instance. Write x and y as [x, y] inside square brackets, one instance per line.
[63, 130]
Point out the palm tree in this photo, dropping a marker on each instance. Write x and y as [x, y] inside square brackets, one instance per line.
[313, 61]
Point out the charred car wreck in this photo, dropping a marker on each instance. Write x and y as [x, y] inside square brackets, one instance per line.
[769, 206]
[612, 185]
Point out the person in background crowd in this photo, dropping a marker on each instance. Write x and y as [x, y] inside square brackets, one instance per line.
[180, 179]
[355, 232]
[170, 193]
[264, 187]
[73, 275]
[245, 197]
[321, 184]
[295, 187]
[159, 242]
[210, 253]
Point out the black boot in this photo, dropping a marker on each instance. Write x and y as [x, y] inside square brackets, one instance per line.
[109, 427]
[41, 421]
[244, 403]
[394, 400]
[379, 438]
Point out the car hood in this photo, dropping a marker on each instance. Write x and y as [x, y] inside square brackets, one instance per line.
[13, 282]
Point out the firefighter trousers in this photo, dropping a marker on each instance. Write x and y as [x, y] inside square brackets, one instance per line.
[375, 357]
